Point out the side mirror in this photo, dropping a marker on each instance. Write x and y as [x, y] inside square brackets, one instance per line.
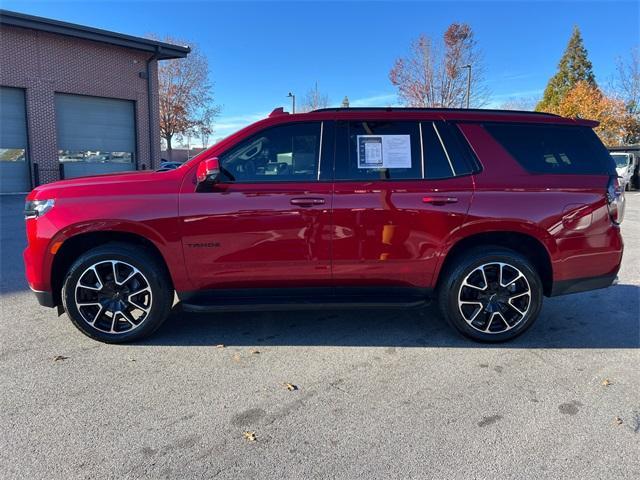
[208, 171]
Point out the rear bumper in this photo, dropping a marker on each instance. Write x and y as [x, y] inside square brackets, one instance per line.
[44, 298]
[564, 287]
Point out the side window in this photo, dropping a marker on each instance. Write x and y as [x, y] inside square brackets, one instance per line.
[437, 160]
[282, 153]
[554, 148]
[462, 157]
[378, 150]
[446, 152]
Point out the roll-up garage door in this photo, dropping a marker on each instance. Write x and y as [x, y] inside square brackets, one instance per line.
[95, 135]
[14, 165]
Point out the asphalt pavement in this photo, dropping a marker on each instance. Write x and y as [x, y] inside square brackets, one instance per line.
[372, 394]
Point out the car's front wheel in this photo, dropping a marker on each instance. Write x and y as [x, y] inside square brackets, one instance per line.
[491, 294]
[117, 293]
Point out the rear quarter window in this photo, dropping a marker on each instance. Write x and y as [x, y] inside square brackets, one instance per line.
[557, 149]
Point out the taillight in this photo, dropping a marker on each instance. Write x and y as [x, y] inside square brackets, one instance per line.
[615, 200]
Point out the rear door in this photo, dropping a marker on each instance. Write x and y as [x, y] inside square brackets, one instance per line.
[268, 223]
[399, 191]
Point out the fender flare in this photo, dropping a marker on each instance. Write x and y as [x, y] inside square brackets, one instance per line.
[170, 252]
[480, 227]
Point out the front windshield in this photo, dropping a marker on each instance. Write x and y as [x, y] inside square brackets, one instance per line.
[621, 159]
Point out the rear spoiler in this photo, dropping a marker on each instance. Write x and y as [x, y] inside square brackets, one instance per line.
[586, 123]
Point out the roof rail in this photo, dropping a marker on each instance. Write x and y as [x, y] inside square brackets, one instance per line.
[433, 109]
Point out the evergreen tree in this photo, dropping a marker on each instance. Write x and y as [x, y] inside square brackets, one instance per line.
[574, 67]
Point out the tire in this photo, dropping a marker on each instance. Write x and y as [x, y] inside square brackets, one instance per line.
[495, 317]
[131, 308]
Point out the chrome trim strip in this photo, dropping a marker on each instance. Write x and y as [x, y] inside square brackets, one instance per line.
[421, 150]
[320, 150]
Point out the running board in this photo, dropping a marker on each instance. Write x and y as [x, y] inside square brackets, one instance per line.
[259, 305]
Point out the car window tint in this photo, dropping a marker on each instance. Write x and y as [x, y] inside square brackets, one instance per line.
[554, 148]
[282, 153]
[436, 160]
[379, 150]
[460, 153]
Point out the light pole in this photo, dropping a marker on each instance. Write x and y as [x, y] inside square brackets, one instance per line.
[293, 102]
[468, 82]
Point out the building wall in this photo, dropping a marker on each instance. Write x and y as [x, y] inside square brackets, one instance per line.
[44, 63]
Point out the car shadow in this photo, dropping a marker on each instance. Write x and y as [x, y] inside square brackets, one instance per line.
[608, 318]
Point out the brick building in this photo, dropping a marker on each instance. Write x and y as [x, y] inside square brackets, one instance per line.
[75, 100]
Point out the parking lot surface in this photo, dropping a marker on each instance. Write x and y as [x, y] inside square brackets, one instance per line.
[374, 394]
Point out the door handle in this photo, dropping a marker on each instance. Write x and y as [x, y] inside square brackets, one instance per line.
[439, 200]
[307, 201]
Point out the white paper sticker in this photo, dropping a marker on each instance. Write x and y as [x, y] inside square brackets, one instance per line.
[384, 151]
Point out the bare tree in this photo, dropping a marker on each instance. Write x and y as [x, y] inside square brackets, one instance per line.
[205, 124]
[314, 100]
[627, 83]
[184, 93]
[435, 75]
[624, 86]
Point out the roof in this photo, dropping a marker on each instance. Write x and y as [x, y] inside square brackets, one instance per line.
[454, 114]
[164, 51]
[436, 110]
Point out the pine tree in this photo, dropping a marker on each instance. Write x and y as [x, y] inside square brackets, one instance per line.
[574, 67]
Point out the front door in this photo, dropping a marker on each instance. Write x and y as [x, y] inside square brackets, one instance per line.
[398, 194]
[268, 223]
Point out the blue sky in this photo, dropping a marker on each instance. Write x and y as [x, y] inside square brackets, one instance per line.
[259, 51]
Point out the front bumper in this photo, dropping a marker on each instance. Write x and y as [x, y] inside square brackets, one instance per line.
[44, 298]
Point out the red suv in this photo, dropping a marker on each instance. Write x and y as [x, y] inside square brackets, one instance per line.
[485, 211]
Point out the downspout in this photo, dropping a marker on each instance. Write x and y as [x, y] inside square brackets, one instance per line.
[153, 57]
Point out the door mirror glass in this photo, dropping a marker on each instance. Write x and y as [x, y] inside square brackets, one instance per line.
[208, 171]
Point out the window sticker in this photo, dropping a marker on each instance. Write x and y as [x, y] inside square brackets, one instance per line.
[369, 151]
[384, 151]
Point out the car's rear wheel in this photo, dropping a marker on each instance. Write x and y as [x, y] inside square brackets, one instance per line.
[117, 293]
[491, 294]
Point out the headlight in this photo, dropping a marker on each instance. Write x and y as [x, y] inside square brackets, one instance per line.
[37, 208]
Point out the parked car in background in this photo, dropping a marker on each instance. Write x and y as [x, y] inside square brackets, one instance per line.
[484, 211]
[627, 160]
[164, 166]
[624, 167]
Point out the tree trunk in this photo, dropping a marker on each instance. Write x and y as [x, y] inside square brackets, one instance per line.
[169, 148]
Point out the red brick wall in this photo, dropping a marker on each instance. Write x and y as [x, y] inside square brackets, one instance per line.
[44, 63]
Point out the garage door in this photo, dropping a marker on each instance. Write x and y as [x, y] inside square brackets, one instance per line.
[95, 135]
[14, 167]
